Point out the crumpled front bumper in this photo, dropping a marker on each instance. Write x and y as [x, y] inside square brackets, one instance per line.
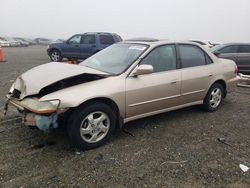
[44, 123]
[44, 120]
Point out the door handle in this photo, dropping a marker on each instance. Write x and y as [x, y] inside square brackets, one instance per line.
[76, 45]
[210, 75]
[93, 45]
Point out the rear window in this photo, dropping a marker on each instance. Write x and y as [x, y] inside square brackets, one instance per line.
[106, 39]
[191, 56]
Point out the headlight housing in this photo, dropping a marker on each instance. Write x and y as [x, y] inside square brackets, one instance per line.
[40, 107]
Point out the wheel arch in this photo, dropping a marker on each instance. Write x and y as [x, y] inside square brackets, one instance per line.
[222, 83]
[111, 103]
[54, 48]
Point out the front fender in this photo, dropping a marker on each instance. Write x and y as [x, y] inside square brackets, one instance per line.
[112, 88]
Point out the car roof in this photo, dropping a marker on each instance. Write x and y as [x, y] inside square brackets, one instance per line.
[96, 33]
[236, 43]
[158, 42]
[143, 39]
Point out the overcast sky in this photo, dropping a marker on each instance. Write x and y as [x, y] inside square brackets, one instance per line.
[216, 20]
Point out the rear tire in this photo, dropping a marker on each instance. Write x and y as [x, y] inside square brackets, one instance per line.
[91, 125]
[55, 55]
[214, 97]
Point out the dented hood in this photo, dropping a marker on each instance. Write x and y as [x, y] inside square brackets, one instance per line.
[32, 81]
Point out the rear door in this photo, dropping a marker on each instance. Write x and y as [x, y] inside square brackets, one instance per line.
[88, 45]
[243, 59]
[156, 91]
[196, 73]
[72, 47]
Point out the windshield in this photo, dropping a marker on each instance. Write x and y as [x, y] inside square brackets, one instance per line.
[215, 48]
[116, 58]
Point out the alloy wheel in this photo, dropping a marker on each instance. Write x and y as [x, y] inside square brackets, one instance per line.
[95, 127]
[215, 97]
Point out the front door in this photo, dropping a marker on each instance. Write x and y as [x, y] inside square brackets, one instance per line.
[72, 47]
[156, 91]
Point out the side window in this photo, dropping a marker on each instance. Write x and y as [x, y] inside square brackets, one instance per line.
[117, 38]
[191, 56]
[244, 49]
[208, 59]
[88, 39]
[229, 49]
[162, 58]
[106, 39]
[75, 39]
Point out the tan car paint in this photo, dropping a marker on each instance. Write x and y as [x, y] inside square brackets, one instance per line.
[32, 81]
[112, 88]
[149, 94]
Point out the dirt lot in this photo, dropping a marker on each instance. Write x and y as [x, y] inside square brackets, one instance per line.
[175, 149]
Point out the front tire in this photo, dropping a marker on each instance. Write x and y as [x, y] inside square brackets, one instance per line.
[91, 125]
[213, 98]
[55, 55]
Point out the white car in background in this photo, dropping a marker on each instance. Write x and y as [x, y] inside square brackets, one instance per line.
[13, 42]
[4, 42]
[22, 41]
[207, 44]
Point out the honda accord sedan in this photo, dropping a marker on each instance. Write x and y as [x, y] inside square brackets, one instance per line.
[124, 82]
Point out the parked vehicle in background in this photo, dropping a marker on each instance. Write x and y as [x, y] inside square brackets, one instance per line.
[4, 42]
[12, 42]
[124, 82]
[30, 41]
[58, 41]
[42, 41]
[238, 52]
[81, 46]
[204, 43]
[22, 41]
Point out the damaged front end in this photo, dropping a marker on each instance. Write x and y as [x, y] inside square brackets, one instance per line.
[27, 92]
[42, 114]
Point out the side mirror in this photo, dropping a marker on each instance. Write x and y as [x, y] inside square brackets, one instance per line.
[217, 53]
[143, 69]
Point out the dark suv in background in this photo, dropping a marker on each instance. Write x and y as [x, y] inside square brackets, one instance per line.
[81, 46]
[238, 52]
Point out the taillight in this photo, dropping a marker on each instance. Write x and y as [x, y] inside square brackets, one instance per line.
[236, 70]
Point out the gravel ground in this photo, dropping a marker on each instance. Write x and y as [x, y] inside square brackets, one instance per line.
[175, 149]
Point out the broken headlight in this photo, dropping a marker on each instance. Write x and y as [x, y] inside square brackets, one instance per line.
[40, 107]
